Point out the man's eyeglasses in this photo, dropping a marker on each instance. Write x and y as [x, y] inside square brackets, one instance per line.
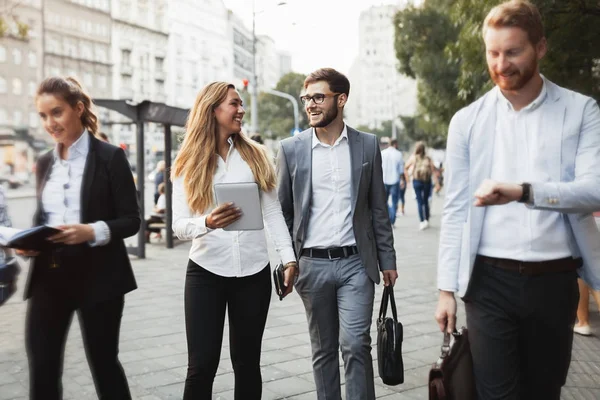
[317, 98]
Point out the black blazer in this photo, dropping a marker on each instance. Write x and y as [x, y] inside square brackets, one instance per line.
[108, 194]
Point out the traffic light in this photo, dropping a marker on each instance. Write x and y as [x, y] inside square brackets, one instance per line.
[245, 83]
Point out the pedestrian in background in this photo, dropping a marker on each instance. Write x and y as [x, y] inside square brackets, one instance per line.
[333, 198]
[85, 189]
[522, 178]
[159, 178]
[393, 168]
[582, 326]
[226, 269]
[422, 170]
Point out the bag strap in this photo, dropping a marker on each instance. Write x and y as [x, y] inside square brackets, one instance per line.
[384, 304]
[390, 290]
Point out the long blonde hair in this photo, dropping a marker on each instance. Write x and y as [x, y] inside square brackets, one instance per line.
[71, 91]
[197, 161]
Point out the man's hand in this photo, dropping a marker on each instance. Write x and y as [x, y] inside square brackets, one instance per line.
[288, 277]
[222, 216]
[74, 234]
[445, 315]
[492, 193]
[389, 277]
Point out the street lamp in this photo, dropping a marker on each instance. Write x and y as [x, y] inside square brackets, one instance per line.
[254, 91]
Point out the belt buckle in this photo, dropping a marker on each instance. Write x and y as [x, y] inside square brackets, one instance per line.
[332, 258]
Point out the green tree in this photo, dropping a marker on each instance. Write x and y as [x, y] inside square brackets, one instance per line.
[276, 114]
[8, 17]
[440, 45]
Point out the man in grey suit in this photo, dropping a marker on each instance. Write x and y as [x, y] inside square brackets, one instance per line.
[523, 178]
[332, 194]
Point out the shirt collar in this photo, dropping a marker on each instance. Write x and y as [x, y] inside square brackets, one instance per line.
[316, 141]
[531, 106]
[79, 148]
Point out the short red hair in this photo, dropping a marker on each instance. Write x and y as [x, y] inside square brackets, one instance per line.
[516, 13]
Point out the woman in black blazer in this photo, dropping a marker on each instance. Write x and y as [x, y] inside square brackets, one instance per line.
[85, 188]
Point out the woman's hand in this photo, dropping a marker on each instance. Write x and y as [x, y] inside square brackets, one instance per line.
[74, 234]
[291, 270]
[27, 253]
[222, 216]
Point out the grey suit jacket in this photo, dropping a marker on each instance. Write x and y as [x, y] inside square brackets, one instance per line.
[370, 220]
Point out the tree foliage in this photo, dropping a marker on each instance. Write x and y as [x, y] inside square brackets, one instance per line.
[276, 114]
[10, 23]
[440, 45]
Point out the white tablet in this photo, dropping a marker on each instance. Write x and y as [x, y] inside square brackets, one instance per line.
[246, 196]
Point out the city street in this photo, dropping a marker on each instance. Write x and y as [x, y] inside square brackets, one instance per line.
[153, 346]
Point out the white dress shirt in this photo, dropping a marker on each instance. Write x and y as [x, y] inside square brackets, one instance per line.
[231, 253]
[512, 230]
[61, 198]
[392, 164]
[330, 222]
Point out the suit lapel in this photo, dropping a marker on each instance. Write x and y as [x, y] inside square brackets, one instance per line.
[88, 177]
[303, 181]
[356, 161]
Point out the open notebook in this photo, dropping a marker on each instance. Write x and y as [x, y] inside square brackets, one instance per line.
[35, 238]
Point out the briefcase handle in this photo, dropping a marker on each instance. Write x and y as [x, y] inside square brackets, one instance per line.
[388, 295]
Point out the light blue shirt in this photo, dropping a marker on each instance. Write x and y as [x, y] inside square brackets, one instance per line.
[392, 164]
[61, 198]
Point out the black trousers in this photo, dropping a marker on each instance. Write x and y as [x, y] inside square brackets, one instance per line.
[247, 301]
[49, 314]
[521, 332]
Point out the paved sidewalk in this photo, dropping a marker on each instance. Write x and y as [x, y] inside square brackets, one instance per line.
[153, 347]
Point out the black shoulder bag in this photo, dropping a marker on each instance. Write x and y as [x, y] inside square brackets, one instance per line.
[389, 342]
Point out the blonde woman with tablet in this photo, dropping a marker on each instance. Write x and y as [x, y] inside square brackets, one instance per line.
[226, 269]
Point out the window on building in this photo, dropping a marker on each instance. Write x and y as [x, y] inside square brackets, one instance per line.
[100, 54]
[86, 51]
[17, 117]
[2, 54]
[31, 88]
[127, 83]
[160, 87]
[125, 57]
[159, 63]
[32, 59]
[2, 85]
[34, 119]
[17, 56]
[102, 82]
[3, 115]
[88, 80]
[17, 86]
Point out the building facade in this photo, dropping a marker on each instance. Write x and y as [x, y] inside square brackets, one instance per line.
[139, 53]
[77, 41]
[379, 92]
[200, 49]
[20, 68]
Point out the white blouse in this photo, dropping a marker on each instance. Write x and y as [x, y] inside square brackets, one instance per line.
[231, 253]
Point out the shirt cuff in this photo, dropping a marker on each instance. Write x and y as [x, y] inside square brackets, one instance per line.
[287, 256]
[101, 234]
[200, 226]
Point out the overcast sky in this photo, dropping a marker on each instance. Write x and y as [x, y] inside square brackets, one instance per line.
[317, 33]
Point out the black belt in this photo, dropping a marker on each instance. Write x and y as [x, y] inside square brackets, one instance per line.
[334, 253]
[533, 268]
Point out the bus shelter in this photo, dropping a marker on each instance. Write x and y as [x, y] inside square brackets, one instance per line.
[167, 116]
